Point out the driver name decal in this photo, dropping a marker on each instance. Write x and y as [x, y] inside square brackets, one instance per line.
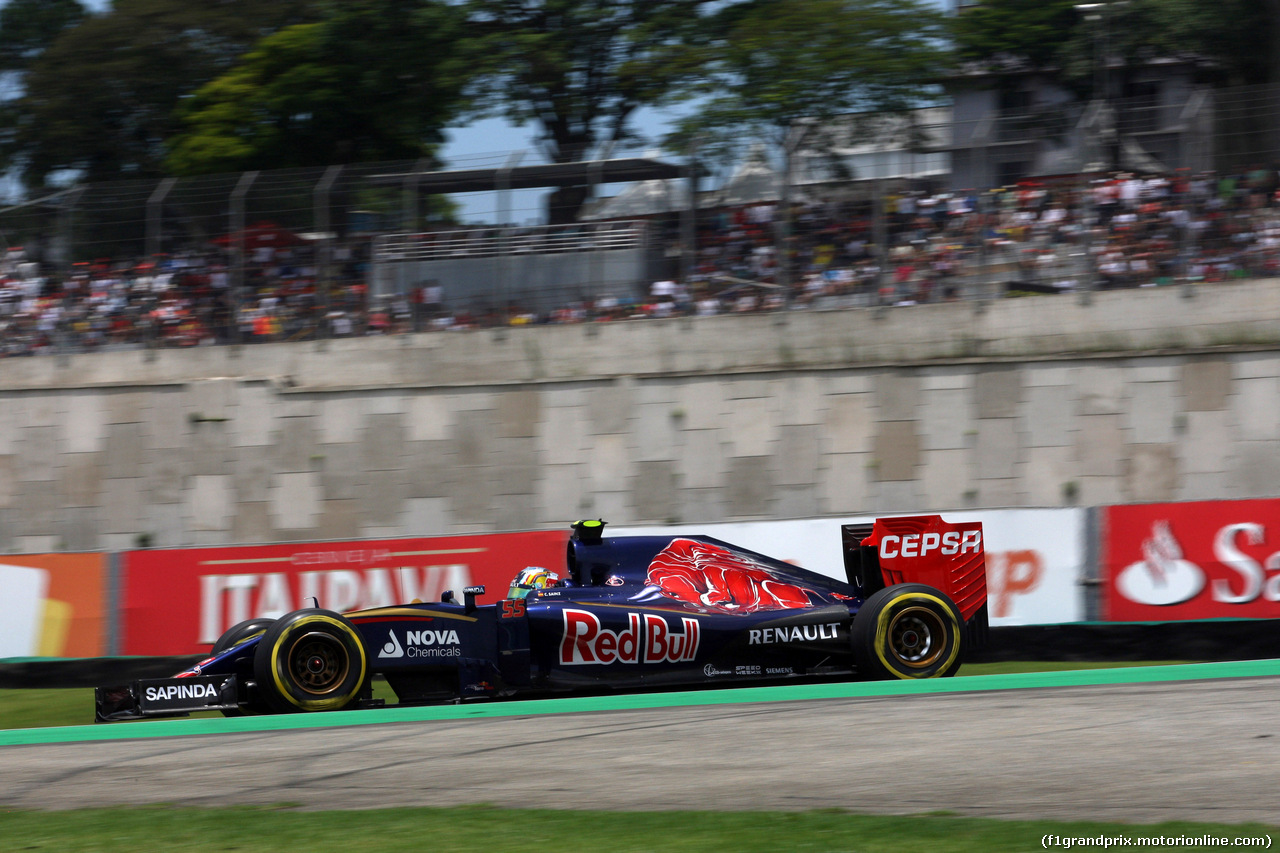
[646, 639]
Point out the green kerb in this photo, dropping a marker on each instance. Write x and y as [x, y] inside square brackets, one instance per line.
[797, 693]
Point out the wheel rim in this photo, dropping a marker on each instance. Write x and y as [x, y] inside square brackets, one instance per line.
[916, 637]
[318, 663]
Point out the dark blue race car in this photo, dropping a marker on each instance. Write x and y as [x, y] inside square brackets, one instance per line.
[629, 613]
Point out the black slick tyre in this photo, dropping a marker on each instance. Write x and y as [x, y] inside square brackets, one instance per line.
[240, 632]
[909, 630]
[234, 636]
[311, 660]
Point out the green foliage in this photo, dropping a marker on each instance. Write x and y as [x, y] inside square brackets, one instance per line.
[1231, 40]
[1240, 37]
[1034, 32]
[375, 81]
[28, 27]
[580, 68]
[147, 86]
[101, 98]
[773, 64]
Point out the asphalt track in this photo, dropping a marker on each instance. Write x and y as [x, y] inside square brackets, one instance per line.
[1198, 742]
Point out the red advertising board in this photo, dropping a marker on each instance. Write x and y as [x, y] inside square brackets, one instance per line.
[1198, 560]
[179, 601]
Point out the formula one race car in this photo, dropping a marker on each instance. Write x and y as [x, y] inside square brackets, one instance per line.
[631, 613]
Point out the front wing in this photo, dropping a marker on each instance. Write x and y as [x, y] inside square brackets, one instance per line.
[167, 697]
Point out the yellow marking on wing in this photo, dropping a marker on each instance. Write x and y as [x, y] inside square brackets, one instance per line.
[409, 611]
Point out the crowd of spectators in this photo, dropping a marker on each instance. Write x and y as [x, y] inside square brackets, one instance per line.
[180, 300]
[1122, 231]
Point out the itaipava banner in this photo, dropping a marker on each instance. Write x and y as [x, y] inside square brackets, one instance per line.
[179, 601]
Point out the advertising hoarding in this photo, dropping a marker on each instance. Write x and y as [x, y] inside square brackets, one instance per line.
[179, 601]
[52, 605]
[1035, 557]
[1194, 560]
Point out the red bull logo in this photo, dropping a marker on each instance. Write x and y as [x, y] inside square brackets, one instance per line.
[716, 579]
[646, 639]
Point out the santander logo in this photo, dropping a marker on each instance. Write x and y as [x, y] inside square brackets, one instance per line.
[1164, 576]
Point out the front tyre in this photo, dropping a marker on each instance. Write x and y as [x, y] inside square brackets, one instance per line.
[909, 630]
[311, 660]
[241, 632]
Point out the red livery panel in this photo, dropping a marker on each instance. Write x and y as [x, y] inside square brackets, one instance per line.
[713, 578]
[925, 549]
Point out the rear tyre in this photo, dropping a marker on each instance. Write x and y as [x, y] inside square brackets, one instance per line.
[311, 660]
[909, 630]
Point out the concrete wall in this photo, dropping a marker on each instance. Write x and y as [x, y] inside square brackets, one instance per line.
[1143, 395]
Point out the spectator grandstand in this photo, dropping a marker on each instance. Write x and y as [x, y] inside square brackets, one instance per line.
[1124, 230]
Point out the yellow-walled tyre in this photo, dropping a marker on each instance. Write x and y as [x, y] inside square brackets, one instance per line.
[311, 660]
[907, 631]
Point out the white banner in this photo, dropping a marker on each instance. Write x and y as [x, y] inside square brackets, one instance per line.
[1035, 557]
[22, 610]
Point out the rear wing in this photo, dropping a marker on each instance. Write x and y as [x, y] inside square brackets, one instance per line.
[921, 549]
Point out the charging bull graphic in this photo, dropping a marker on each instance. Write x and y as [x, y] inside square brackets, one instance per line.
[711, 578]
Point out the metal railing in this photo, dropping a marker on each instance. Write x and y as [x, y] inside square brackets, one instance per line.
[487, 242]
[212, 235]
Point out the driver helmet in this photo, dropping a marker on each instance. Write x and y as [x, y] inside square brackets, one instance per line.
[531, 578]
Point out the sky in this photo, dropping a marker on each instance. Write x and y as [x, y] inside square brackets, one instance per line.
[490, 142]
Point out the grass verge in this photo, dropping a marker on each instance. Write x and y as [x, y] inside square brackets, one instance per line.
[482, 828]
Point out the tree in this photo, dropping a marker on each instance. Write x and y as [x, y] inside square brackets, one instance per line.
[1240, 37]
[1095, 51]
[792, 73]
[1232, 40]
[1031, 33]
[775, 64]
[580, 69]
[375, 81]
[100, 100]
[28, 27]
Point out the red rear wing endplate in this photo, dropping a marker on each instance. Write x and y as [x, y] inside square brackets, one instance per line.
[925, 549]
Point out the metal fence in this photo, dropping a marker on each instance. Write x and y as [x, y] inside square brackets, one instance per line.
[967, 202]
[535, 269]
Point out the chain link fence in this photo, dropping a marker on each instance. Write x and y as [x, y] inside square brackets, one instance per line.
[962, 203]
